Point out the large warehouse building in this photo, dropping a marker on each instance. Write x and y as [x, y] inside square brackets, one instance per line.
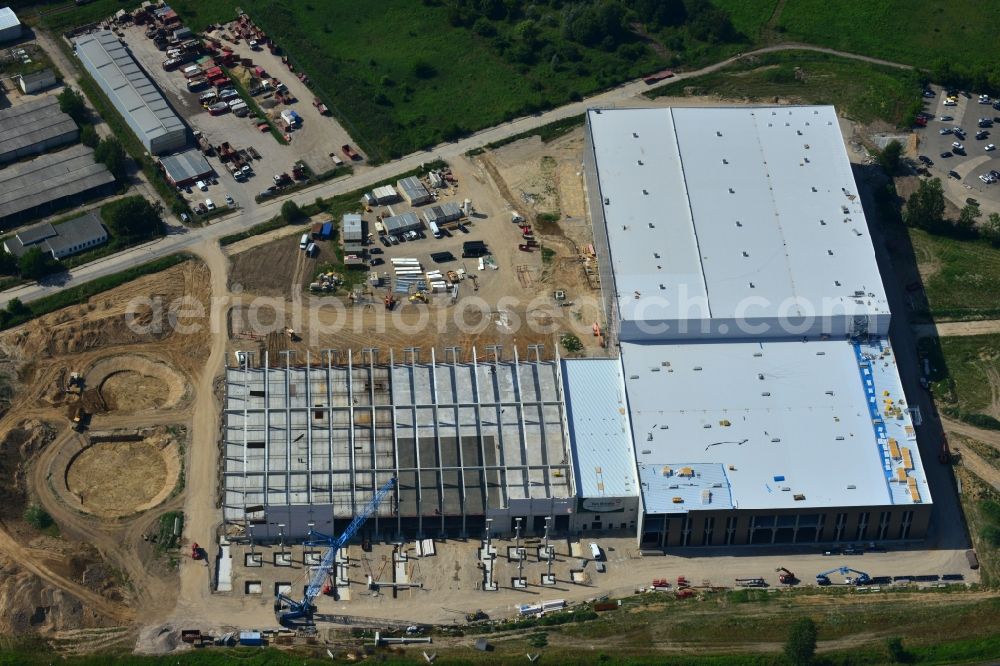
[755, 400]
[51, 182]
[132, 92]
[742, 289]
[34, 127]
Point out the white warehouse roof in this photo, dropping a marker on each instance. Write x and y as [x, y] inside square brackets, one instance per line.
[131, 91]
[719, 214]
[764, 425]
[9, 21]
[597, 415]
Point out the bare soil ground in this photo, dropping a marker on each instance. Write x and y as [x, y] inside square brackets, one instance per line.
[98, 572]
[112, 479]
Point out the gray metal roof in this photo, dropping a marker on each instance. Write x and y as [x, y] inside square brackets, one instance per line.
[445, 212]
[402, 222]
[77, 231]
[8, 19]
[775, 416]
[25, 185]
[186, 165]
[32, 123]
[412, 188]
[35, 234]
[42, 75]
[599, 430]
[56, 238]
[717, 213]
[351, 223]
[131, 91]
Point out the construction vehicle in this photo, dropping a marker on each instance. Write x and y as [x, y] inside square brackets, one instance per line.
[196, 552]
[476, 616]
[349, 152]
[786, 577]
[452, 277]
[860, 577]
[390, 301]
[288, 610]
[419, 297]
[682, 582]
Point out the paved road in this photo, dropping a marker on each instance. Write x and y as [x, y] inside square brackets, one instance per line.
[181, 239]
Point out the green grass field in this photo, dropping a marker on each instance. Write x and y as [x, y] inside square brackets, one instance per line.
[964, 280]
[363, 62]
[749, 16]
[860, 91]
[967, 373]
[917, 33]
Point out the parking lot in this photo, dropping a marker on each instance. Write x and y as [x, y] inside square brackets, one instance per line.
[961, 170]
[312, 142]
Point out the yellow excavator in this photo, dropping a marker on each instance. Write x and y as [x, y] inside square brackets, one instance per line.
[419, 297]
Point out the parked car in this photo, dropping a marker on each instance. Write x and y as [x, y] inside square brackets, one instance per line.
[945, 119]
[944, 130]
[925, 159]
[229, 200]
[945, 155]
[990, 146]
[377, 261]
[209, 204]
[202, 185]
[375, 250]
[954, 174]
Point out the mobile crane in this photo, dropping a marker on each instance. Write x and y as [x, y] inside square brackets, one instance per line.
[860, 578]
[288, 610]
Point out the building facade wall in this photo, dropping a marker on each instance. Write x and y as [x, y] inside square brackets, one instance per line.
[595, 209]
[785, 527]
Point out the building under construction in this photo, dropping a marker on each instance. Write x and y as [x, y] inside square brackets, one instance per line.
[309, 440]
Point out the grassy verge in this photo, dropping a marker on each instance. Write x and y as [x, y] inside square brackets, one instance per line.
[979, 500]
[962, 276]
[82, 293]
[166, 537]
[548, 132]
[345, 170]
[960, 31]
[860, 90]
[254, 107]
[129, 141]
[963, 371]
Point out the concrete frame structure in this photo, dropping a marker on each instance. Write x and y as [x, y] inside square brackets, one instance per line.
[308, 445]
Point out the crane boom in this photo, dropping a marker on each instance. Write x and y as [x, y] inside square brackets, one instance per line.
[287, 608]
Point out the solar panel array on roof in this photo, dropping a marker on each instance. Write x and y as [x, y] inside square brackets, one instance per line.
[131, 91]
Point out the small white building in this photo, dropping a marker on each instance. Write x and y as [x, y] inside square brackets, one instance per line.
[10, 25]
[36, 81]
[62, 240]
[353, 228]
[386, 194]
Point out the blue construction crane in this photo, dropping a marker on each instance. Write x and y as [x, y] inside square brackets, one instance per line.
[289, 610]
[861, 578]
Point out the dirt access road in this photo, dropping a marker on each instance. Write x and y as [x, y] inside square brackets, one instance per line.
[628, 94]
[949, 329]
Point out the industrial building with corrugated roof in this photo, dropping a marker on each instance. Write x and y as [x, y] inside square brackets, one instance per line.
[449, 211]
[741, 286]
[36, 81]
[48, 183]
[131, 92]
[352, 228]
[34, 127]
[413, 191]
[186, 168]
[397, 224]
